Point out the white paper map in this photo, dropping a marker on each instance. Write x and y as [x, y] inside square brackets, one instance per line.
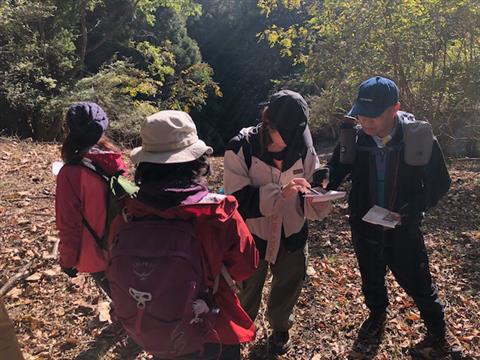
[380, 216]
[56, 166]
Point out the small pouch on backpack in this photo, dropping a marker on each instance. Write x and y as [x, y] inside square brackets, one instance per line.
[418, 140]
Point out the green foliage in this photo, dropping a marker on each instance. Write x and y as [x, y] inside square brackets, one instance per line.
[190, 89]
[431, 48]
[160, 62]
[245, 68]
[132, 56]
[150, 7]
[267, 6]
[36, 57]
[115, 87]
[136, 56]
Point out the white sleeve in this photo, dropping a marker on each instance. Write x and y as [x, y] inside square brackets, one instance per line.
[320, 210]
[236, 179]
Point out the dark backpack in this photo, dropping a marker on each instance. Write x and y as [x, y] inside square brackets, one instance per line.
[119, 189]
[156, 278]
[417, 141]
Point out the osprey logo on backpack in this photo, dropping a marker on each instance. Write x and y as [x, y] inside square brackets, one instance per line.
[143, 269]
[156, 278]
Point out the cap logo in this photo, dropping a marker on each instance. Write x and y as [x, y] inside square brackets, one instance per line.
[366, 99]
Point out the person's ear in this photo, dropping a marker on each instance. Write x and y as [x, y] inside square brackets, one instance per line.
[395, 109]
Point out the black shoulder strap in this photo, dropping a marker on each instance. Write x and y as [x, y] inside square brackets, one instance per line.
[92, 232]
[247, 154]
[101, 171]
[97, 170]
[241, 143]
[106, 177]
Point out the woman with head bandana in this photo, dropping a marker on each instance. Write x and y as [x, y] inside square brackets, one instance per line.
[268, 168]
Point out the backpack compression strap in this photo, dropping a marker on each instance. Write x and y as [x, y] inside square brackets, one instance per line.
[226, 275]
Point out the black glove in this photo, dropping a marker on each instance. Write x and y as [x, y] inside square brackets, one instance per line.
[320, 175]
[71, 272]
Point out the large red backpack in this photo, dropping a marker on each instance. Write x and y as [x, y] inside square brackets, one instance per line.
[156, 279]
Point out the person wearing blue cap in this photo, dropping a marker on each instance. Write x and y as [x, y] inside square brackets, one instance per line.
[395, 165]
[267, 168]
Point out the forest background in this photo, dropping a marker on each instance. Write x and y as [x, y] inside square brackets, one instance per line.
[219, 59]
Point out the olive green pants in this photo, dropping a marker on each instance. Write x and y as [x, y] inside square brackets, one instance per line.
[288, 276]
[9, 348]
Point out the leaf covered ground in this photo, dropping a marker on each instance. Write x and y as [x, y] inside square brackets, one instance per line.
[60, 318]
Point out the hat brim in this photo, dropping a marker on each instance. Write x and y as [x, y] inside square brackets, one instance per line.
[190, 153]
[366, 109]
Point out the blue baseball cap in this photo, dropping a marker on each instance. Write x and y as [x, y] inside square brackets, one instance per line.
[375, 95]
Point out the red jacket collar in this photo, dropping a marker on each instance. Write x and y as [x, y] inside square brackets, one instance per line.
[220, 207]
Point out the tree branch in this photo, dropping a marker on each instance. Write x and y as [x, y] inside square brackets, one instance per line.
[83, 24]
[114, 29]
[10, 284]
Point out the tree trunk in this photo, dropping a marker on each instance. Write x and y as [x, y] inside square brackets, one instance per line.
[84, 30]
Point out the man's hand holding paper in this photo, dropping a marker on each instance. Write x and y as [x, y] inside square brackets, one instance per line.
[380, 216]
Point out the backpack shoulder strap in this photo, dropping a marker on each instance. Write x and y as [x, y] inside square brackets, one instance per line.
[92, 232]
[250, 143]
[99, 170]
[241, 143]
[247, 154]
[228, 278]
[106, 178]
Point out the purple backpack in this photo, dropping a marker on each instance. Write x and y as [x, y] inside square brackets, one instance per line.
[156, 278]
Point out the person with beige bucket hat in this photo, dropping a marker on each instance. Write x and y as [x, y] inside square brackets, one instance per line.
[171, 169]
[169, 137]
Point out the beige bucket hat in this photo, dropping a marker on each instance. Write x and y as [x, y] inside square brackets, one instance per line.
[169, 137]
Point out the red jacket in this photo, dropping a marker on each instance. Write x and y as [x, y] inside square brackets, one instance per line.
[225, 239]
[81, 193]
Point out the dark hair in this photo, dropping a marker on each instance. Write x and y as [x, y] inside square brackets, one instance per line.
[187, 172]
[265, 138]
[74, 147]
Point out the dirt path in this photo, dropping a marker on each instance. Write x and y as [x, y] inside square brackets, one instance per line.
[59, 318]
